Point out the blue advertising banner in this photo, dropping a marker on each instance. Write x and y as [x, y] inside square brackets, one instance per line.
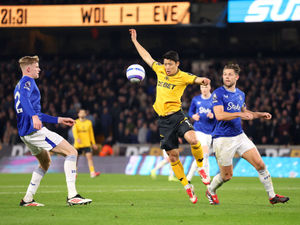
[247, 11]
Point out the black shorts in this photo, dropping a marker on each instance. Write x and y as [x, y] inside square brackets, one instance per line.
[84, 150]
[171, 127]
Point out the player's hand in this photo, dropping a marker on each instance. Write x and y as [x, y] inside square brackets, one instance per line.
[210, 115]
[205, 81]
[95, 147]
[196, 117]
[37, 124]
[133, 34]
[266, 115]
[247, 116]
[66, 121]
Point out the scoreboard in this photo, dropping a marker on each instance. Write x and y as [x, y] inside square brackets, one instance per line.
[127, 14]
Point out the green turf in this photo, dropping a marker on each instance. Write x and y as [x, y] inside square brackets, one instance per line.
[129, 200]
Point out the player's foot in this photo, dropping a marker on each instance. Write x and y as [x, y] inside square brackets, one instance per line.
[95, 174]
[279, 199]
[153, 174]
[78, 200]
[32, 203]
[172, 178]
[213, 199]
[205, 179]
[191, 194]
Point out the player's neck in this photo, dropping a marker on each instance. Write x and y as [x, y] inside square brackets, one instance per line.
[207, 96]
[231, 88]
[28, 75]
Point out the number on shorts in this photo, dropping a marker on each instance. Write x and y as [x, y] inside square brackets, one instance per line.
[17, 97]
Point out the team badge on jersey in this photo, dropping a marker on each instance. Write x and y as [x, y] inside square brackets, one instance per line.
[215, 98]
[166, 77]
[27, 85]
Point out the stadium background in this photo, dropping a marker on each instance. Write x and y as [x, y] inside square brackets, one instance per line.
[85, 67]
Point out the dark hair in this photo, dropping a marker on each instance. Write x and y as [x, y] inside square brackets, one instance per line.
[171, 55]
[234, 67]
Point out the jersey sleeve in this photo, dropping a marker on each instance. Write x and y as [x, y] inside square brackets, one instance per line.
[244, 104]
[189, 78]
[48, 119]
[25, 92]
[91, 133]
[192, 109]
[217, 98]
[156, 66]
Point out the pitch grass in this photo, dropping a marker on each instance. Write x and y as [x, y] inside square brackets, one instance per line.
[130, 200]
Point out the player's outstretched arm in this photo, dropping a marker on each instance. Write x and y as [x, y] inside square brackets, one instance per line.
[142, 52]
[66, 121]
[221, 115]
[202, 81]
[257, 115]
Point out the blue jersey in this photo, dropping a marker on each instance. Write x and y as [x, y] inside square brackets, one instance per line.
[232, 102]
[27, 104]
[202, 107]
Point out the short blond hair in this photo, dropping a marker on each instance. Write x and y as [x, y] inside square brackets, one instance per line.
[28, 60]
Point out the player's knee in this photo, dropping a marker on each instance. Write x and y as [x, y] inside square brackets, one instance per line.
[173, 156]
[45, 165]
[227, 177]
[193, 141]
[260, 166]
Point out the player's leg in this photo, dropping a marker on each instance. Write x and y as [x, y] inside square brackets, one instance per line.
[197, 151]
[224, 158]
[44, 162]
[89, 157]
[192, 171]
[66, 149]
[160, 164]
[179, 173]
[204, 171]
[254, 158]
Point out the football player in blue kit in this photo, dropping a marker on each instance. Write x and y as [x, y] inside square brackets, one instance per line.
[38, 138]
[202, 113]
[228, 136]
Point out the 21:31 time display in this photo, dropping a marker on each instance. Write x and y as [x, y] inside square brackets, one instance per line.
[13, 16]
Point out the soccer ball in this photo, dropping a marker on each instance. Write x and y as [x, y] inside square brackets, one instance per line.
[135, 73]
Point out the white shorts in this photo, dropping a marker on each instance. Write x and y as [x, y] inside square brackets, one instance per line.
[205, 139]
[42, 139]
[226, 147]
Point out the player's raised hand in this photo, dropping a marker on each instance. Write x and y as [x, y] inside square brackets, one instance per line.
[37, 124]
[66, 121]
[266, 115]
[133, 34]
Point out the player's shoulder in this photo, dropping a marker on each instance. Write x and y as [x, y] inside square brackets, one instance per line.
[240, 91]
[219, 90]
[26, 82]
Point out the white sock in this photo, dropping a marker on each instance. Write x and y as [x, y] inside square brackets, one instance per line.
[266, 180]
[36, 178]
[70, 172]
[206, 163]
[160, 164]
[192, 171]
[215, 184]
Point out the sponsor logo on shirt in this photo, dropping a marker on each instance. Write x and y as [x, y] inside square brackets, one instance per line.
[232, 106]
[204, 110]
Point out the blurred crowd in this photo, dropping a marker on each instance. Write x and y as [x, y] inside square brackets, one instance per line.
[121, 112]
